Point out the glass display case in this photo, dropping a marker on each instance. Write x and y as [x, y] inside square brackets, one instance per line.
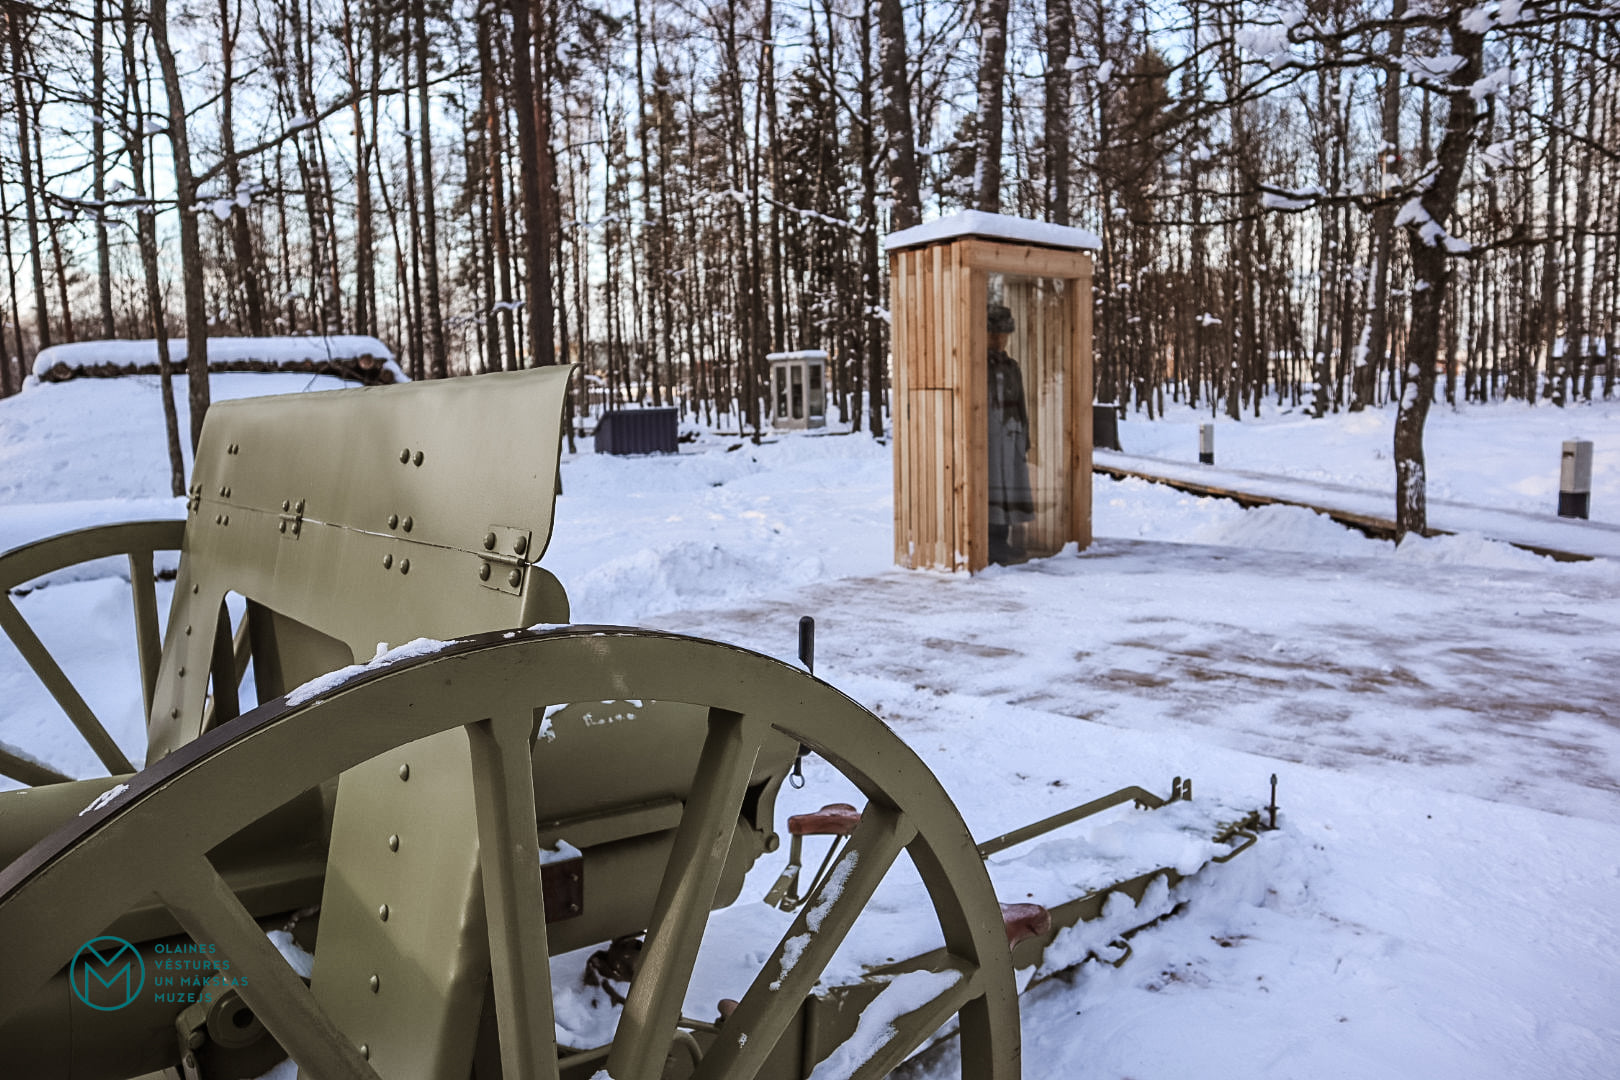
[798, 389]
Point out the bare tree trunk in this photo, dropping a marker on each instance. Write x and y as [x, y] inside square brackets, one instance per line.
[1431, 273]
[495, 160]
[146, 235]
[7, 357]
[241, 238]
[902, 138]
[992, 19]
[52, 232]
[25, 167]
[191, 261]
[872, 295]
[98, 150]
[413, 220]
[430, 215]
[1059, 33]
[538, 272]
[365, 257]
[1374, 347]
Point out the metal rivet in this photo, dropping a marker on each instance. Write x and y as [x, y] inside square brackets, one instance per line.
[418, 458]
[188, 630]
[393, 521]
[194, 589]
[483, 571]
[174, 714]
[393, 842]
[227, 492]
[515, 578]
[405, 455]
[489, 541]
[286, 504]
[300, 506]
[297, 528]
[382, 913]
[388, 562]
[405, 771]
[376, 984]
[407, 523]
[282, 526]
[226, 520]
[182, 672]
[365, 1051]
[223, 489]
[404, 566]
[521, 544]
[195, 1040]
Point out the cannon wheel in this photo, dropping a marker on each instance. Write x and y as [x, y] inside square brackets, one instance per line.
[153, 838]
[136, 540]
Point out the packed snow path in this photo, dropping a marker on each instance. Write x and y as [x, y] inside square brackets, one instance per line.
[1439, 901]
[1499, 686]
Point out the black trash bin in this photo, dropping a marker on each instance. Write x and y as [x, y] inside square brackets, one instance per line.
[1104, 427]
[637, 431]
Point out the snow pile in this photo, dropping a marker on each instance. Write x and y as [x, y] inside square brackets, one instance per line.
[386, 657]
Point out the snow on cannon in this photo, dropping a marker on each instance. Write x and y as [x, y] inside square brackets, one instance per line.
[458, 837]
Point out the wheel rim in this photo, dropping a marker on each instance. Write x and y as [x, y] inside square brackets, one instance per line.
[150, 839]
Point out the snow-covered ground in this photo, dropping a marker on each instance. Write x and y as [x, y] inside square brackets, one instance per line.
[1503, 455]
[1443, 717]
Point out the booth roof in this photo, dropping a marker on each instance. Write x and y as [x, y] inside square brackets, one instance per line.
[993, 227]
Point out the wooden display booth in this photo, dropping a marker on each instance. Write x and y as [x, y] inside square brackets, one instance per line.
[992, 390]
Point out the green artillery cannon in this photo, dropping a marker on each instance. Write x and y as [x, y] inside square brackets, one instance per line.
[447, 791]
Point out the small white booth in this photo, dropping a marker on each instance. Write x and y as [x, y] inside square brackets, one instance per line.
[798, 389]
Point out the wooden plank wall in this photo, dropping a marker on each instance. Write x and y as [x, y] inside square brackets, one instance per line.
[1081, 395]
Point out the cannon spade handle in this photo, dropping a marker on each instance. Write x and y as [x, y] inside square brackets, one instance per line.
[1247, 839]
[834, 819]
[1025, 921]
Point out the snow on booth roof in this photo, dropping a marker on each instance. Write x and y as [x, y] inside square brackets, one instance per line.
[993, 227]
[350, 356]
[798, 354]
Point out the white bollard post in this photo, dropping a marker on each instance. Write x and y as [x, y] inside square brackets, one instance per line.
[1206, 443]
[1575, 479]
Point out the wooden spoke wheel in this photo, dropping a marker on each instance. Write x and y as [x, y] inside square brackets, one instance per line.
[154, 838]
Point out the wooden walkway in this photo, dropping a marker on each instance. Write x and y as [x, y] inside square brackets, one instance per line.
[1369, 511]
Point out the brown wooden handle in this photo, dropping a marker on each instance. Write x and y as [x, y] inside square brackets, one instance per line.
[1025, 921]
[834, 819]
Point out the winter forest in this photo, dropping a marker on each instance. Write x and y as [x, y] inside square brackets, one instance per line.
[1332, 205]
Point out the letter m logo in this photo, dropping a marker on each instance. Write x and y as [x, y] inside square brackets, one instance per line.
[108, 973]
